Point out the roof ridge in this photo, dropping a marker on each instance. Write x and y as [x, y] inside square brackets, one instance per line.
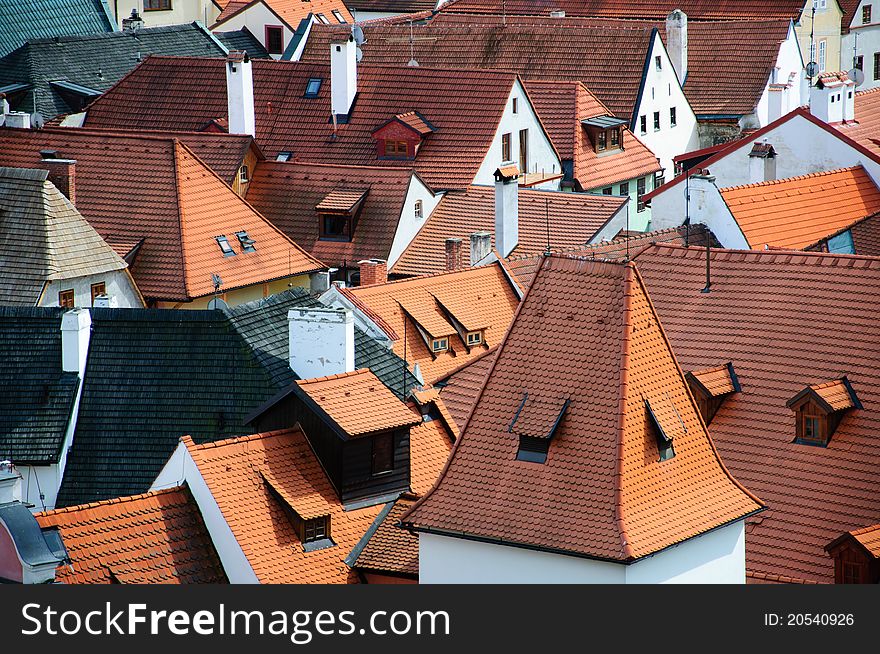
[317, 164]
[113, 500]
[796, 178]
[207, 445]
[619, 512]
[426, 276]
[142, 134]
[479, 357]
[723, 254]
[358, 372]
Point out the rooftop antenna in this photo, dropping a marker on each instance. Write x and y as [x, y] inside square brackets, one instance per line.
[412, 55]
[687, 210]
[217, 281]
[503, 13]
[812, 67]
[856, 74]
[707, 288]
[547, 218]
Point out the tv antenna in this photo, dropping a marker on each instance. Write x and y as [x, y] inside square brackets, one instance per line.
[216, 302]
[857, 75]
[411, 39]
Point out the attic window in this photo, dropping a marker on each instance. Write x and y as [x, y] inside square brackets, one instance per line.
[535, 422]
[383, 454]
[711, 387]
[313, 531]
[395, 149]
[440, 344]
[515, 105]
[285, 156]
[225, 248]
[247, 243]
[243, 175]
[323, 19]
[338, 16]
[819, 408]
[666, 423]
[419, 210]
[658, 63]
[533, 450]
[312, 88]
[474, 338]
[316, 529]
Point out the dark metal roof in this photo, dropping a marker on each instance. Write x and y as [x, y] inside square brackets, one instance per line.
[603, 122]
[23, 20]
[27, 535]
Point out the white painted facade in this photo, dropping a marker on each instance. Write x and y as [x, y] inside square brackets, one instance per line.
[180, 469]
[716, 557]
[802, 147]
[639, 220]
[661, 92]
[622, 219]
[410, 224]
[181, 11]
[333, 298]
[256, 18]
[321, 341]
[118, 284]
[788, 72]
[863, 40]
[540, 156]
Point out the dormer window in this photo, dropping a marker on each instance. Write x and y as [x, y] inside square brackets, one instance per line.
[395, 149]
[338, 212]
[711, 387]
[246, 242]
[440, 344]
[402, 136]
[605, 132]
[313, 86]
[225, 247]
[536, 422]
[666, 423]
[819, 408]
[316, 529]
[243, 175]
[311, 528]
[601, 141]
[383, 454]
[474, 338]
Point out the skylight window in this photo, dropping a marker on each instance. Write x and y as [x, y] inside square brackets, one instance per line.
[339, 17]
[247, 243]
[323, 19]
[225, 247]
[285, 156]
[312, 88]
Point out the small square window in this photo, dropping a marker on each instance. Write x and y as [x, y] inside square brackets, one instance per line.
[65, 299]
[338, 16]
[98, 289]
[474, 338]
[395, 148]
[383, 454]
[315, 529]
[608, 190]
[440, 344]
[225, 248]
[312, 87]
[419, 212]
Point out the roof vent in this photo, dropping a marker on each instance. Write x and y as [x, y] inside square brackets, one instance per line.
[133, 23]
[557, 13]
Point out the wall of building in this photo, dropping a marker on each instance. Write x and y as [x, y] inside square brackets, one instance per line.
[789, 66]
[638, 220]
[181, 468]
[409, 225]
[250, 160]
[37, 481]
[541, 155]
[242, 295]
[714, 557]
[617, 222]
[863, 39]
[826, 27]
[182, 11]
[660, 93]
[801, 146]
[118, 283]
[256, 18]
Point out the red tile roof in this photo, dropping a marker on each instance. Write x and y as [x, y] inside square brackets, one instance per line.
[835, 395]
[288, 194]
[716, 381]
[695, 9]
[865, 234]
[157, 537]
[795, 212]
[866, 129]
[480, 295]
[177, 205]
[358, 402]
[785, 320]
[291, 12]
[614, 359]
[391, 549]
[235, 471]
[430, 445]
[465, 109]
[575, 218]
[868, 538]
[562, 106]
[462, 385]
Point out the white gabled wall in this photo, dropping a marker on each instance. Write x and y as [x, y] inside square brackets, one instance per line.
[866, 39]
[660, 93]
[408, 225]
[118, 284]
[788, 62]
[256, 18]
[181, 468]
[617, 222]
[182, 11]
[334, 299]
[715, 557]
[541, 155]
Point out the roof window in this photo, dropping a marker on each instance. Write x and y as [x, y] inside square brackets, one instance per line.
[225, 247]
[711, 387]
[666, 423]
[312, 530]
[247, 243]
[313, 86]
[338, 16]
[323, 19]
[285, 156]
[536, 422]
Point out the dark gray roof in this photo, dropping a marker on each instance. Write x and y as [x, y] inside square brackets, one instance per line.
[263, 324]
[243, 40]
[21, 20]
[36, 396]
[93, 61]
[29, 541]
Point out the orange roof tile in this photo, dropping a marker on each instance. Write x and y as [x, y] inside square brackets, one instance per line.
[431, 396]
[866, 128]
[210, 208]
[234, 470]
[869, 538]
[390, 548]
[414, 120]
[157, 537]
[602, 491]
[835, 395]
[341, 200]
[430, 445]
[289, 11]
[796, 212]
[486, 290]
[716, 381]
[358, 402]
[462, 385]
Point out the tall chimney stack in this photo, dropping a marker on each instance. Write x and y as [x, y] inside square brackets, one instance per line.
[240, 94]
[677, 42]
[453, 253]
[76, 330]
[321, 341]
[343, 76]
[506, 209]
[62, 173]
[481, 246]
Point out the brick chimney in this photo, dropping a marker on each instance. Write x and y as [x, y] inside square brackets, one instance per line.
[453, 253]
[240, 94]
[373, 271]
[321, 341]
[62, 173]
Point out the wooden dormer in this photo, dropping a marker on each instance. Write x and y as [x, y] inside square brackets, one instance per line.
[856, 556]
[711, 387]
[402, 136]
[606, 133]
[819, 408]
[338, 212]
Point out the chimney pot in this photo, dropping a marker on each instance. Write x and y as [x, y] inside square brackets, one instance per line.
[453, 254]
[321, 341]
[373, 271]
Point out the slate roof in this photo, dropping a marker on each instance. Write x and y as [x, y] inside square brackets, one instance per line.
[94, 61]
[785, 320]
[37, 396]
[389, 549]
[535, 48]
[288, 193]
[155, 538]
[466, 111]
[153, 375]
[43, 238]
[575, 218]
[36, 19]
[234, 471]
[177, 206]
[562, 106]
[796, 212]
[243, 41]
[602, 492]
[480, 295]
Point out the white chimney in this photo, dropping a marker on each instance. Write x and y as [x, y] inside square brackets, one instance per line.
[343, 75]
[321, 341]
[832, 98]
[75, 333]
[481, 245]
[776, 96]
[762, 163]
[240, 94]
[506, 209]
[677, 42]
[10, 483]
[18, 119]
[105, 302]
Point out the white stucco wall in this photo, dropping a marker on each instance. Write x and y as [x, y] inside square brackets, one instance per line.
[182, 11]
[715, 557]
[789, 62]
[118, 284]
[638, 220]
[181, 468]
[865, 38]
[612, 227]
[334, 299]
[541, 155]
[801, 146]
[409, 225]
[256, 18]
[661, 92]
[40, 479]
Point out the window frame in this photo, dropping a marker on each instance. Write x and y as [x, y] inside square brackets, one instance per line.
[614, 138]
[316, 529]
[244, 174]
[322, 19]
[339, 17]
[101, 288]
[643, 124]
[524, 151]
[658, 62]
[167, 6]
[823, 51]
[443, 347]
[877, 65]
[608, 190]
[316, 82]
[376, 468]
[641, 185]
[474, 338]
[274, 29]
[866, 14]
[67, 299]
[419, 210]
[225, 246]
[343, 235]
[624, 188]
[656, 121]
[506, 152]
[396, 149]
[515, 105]
[601, 141]
[673, 116]
[847, 570]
